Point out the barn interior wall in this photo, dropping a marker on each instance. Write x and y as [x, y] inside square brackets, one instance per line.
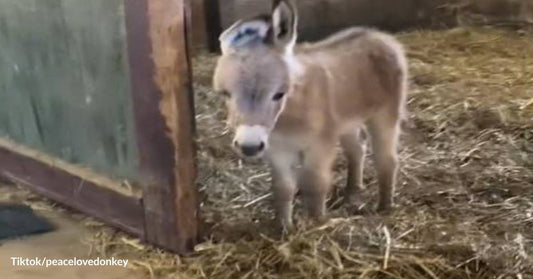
[321, 17]
[64, 85]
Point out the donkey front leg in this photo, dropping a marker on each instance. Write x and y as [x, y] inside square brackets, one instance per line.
[284, 190]
[315, 179]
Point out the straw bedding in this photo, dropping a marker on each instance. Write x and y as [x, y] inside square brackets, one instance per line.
[464, 197]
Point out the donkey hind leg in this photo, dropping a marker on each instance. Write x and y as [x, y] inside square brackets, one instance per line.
[354, 149]
[384, 131]
[315, 179]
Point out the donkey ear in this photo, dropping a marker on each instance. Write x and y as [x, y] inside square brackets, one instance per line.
[245, 33]
[284, 23]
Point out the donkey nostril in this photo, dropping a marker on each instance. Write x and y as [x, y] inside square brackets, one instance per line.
[252, 150]
[261, 146]
[235, 143]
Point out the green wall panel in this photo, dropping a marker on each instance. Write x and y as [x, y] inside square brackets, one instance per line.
[64, 85]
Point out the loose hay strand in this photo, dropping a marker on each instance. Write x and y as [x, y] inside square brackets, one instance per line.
[387, 247]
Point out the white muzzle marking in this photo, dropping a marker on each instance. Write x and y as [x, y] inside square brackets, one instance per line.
[246, 135]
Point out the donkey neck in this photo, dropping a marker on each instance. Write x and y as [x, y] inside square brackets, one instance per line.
[308, 108]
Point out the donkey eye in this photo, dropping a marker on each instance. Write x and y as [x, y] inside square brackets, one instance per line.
[278, 96]
[226, 94]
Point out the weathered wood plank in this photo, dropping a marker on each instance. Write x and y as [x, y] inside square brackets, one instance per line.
[72, 189]
[63, 82]
[197, 27]
[85, 174]
[163, 105]
[213, 24]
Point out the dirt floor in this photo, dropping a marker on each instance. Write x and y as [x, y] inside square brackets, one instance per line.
[464, 197]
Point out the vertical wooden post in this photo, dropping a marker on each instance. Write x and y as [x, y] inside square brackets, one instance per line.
[213, 23]
[197, 24]
[164, 115]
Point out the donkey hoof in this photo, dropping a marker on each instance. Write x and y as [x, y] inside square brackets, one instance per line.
[320, 220]
[385, 208]
[353, 199]
[284, 228]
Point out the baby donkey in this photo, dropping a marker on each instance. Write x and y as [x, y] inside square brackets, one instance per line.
[293, 103]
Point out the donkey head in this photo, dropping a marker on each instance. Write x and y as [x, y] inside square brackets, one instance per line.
[253, 76]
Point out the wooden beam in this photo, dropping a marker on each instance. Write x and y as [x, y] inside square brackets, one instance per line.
[197, 27]
[213, 24]
[84, 173]
[73, 190]
[164, 117]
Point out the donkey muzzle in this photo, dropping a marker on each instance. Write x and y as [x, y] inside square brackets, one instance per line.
[250, 141]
